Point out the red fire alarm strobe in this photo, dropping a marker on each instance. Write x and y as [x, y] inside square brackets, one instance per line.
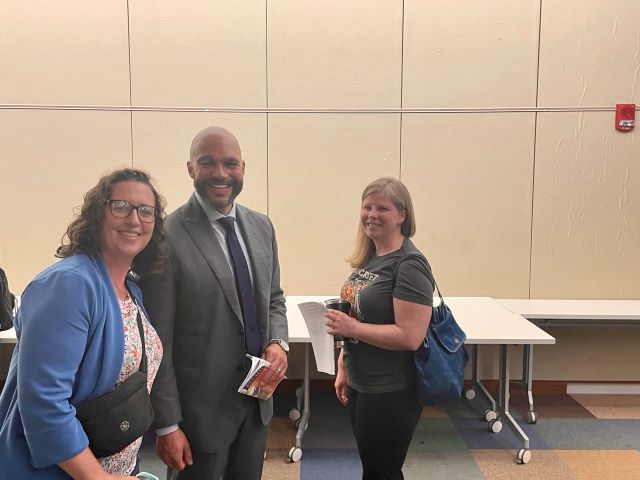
[625, 116]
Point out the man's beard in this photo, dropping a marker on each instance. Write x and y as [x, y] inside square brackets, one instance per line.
[201, 188]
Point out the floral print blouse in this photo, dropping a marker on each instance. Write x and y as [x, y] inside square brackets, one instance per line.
[123, 462]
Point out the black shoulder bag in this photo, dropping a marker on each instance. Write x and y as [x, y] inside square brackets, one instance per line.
[7, 303]
[118, 418]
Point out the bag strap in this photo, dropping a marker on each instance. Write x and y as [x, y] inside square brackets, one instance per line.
[433, 278]
[143, 360]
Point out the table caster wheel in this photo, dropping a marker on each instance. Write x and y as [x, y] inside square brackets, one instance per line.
[531, 417]
[294, 414]
[523, 456]
[470, 394]
[489, 415]
[295, 454]
[495, 425]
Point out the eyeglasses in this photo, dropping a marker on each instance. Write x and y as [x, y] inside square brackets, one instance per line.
[122, 209]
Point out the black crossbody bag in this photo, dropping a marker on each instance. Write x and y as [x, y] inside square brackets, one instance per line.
[118, 418]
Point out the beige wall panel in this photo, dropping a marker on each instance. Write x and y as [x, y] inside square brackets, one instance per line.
[589, 354]
[586, 221]
[334, 54]
[64, 52]
[470, 177]
[198, 53]
[470, 54]
[318, 168]
[584, 354]
[49, 160]
[589, 53]
[161, 142]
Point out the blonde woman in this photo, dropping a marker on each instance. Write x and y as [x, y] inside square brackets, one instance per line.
[391, 293]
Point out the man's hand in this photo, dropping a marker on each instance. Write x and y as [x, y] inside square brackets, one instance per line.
[174, 450]
[278, 359]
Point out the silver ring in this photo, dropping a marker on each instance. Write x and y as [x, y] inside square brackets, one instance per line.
[278, 370]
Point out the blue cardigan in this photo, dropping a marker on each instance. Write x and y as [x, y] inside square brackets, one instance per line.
[70, 348]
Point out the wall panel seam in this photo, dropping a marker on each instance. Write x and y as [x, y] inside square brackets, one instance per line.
[266, 93]
[535, 146]
[401, 91]
[130, 82]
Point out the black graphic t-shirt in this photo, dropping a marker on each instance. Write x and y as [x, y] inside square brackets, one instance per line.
[406, 275]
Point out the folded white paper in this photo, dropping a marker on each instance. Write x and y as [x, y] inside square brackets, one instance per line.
[322, 342]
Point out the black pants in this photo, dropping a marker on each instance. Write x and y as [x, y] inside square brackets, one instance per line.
[383, 424]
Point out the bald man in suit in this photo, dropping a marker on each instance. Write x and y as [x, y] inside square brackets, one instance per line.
[207, 322]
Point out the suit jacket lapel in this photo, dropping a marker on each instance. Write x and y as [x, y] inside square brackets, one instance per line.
[201, 232]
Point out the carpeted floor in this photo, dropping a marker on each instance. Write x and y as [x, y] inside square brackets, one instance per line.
[580, 437]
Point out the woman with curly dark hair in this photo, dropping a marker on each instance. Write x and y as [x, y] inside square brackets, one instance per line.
[83, 234]
[78, 331]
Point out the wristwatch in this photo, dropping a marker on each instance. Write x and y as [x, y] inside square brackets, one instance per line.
[281, 343]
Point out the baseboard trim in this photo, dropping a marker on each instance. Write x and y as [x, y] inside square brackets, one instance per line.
[604, 388]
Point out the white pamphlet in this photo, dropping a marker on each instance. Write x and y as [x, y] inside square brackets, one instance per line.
[323, 346]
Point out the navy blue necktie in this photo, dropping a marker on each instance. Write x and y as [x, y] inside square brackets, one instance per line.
[243, 286]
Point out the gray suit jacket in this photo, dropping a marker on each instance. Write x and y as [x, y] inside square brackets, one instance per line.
[194, 306]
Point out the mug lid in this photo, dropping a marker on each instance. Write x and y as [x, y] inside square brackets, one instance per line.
[336, 300]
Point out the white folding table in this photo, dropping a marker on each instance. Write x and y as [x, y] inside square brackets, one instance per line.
[484, 321]
[573, 313]
[8, 336]
[576, 312]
